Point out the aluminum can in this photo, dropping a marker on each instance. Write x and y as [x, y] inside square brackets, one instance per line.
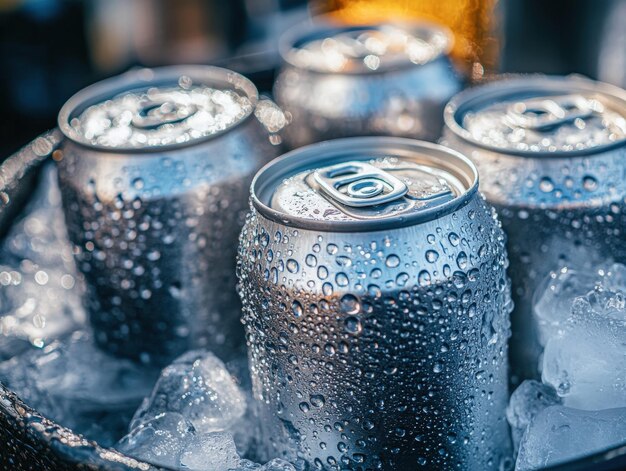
[550, 152]
[376, 308]
[154, 173]
[377, 79]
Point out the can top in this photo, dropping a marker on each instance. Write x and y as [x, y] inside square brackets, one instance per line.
[363, 184]
[327, 47]
[158, 108]
[540, 115]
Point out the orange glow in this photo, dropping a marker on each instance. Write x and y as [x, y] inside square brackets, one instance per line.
[473, 22]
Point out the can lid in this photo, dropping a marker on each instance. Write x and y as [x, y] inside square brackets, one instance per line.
[534, 115]
[327, 47]
[158, 108]
[361, 184]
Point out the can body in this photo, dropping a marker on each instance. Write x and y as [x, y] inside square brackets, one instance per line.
[378, 349]
[398, 98]
[558, 208]
[155, 233]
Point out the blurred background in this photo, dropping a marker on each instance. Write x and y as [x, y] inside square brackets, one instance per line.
[49, 49]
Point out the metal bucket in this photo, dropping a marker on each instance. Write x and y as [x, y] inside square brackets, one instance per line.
[30, 441]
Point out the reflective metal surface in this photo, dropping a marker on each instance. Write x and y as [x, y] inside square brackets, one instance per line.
[559, 189]
[381, 342]
[154, 228]
[377, 79]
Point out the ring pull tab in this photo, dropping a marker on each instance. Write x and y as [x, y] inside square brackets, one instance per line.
[358, 184]
[154, 113]
[543, 114]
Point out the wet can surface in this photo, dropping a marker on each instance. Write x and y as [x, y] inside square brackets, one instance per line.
[379, 79]
[154, 173]
[376, 307]
[550, 152]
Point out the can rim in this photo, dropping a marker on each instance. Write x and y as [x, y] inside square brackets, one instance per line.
[289, 38]
[136, 79]
[315, 155]
[459, 104]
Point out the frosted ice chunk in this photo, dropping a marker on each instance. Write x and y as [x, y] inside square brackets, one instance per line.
[530, 398]
[159, 441]
[276, 464]
[604, 287]
[559, 434]
[76, 384]
[214, 451]
[198, 386]
[587, 363]
[553, 299]
[582, 315]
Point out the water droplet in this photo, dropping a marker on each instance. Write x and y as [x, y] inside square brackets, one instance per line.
[432, 256]
[350, 304]
[341, 279]
[402, 279]
[590, 183]
[423, 278]
[296, 308]
[353, 325]
[461, 260]
[546, 185]
[392, 261]
[138, 183]
[374, 291]
[153, 255]
[344, 261]
[454, 239]
[292, 265]
[317, 400]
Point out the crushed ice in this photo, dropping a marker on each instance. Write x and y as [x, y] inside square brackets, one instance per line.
[579, 408]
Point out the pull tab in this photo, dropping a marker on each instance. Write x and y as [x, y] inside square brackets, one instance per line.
[358, 184]
[155, 113]
[543, 114]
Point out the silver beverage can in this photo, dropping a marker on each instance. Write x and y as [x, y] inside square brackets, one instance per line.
[379, 79]
[154, 172]
[376, 308]
[551, 154]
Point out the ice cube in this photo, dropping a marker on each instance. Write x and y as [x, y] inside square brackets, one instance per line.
[213, 451]
[276, 464]
[159, 441]
[603, 286]
[587, 363]
[198, 386]
[583, 319]
[169, 439]
[530, 398]
[76, 384]
[553, 299]
[559, 434]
